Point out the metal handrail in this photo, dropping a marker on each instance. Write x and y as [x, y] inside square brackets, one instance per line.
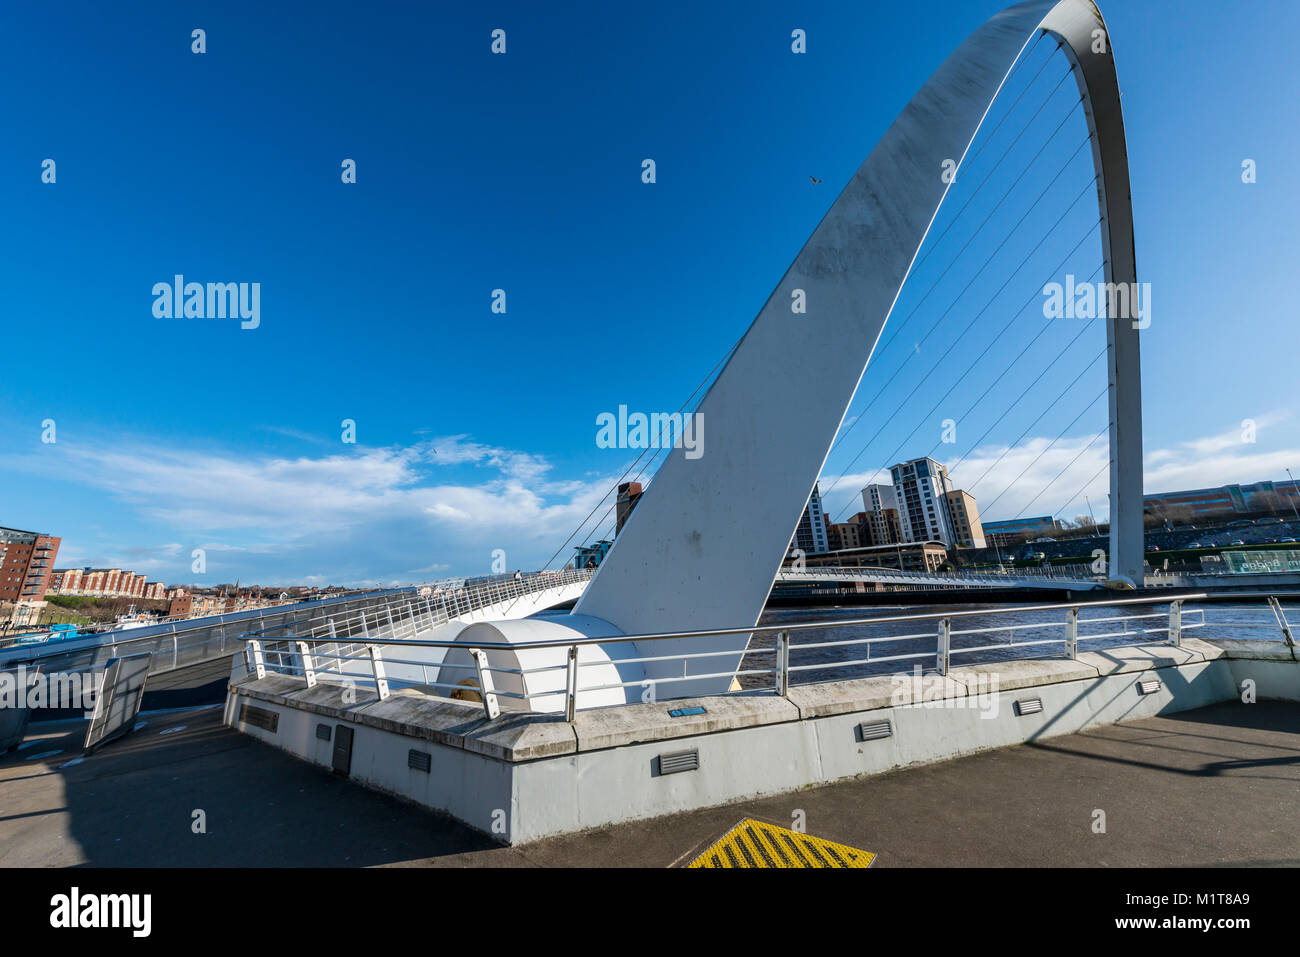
[791, 626]
[415, 612]
[780, 671]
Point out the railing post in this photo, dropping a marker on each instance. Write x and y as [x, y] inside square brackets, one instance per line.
[257, 663]
[410, 617]
[782, 663]
[333, 634]
[377, 665]
[365, 632]
[1071, 633]
[485, 688]
[571, 685]
[1282, 623]
[945, 637]
[1176, 622]
[308, 670]
[388, 610]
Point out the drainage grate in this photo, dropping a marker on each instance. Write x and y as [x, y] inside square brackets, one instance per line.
[1149, 686]
[323, 732]
[262, 718]
[759, 844]
[1029, 706]
[419, 760]
[679, 761]
[875, 730]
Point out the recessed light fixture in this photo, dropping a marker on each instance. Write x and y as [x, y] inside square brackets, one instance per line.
[679, 761]
[875, 730]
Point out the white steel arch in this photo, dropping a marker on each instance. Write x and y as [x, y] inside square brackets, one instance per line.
[708, 537]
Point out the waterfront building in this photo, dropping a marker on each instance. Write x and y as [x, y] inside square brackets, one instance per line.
[26, 564]
[810, 535]
[1018, 529]
[842, 535]
[881, 504]
[1259, 497]
[105, 583]
[905, 556]
[967, 530]
[921, 486]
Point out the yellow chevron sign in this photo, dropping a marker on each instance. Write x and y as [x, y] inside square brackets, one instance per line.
[759, 844]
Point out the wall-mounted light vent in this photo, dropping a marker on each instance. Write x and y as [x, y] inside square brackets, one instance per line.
[1026, 706]
[875, 730]
[679, 761]
[323, 732]
[419, 760]
[1149, 686]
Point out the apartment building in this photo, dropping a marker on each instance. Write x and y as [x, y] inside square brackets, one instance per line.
[842, 535]
[965, 516]
[104, 583]
[26, 564]
[882, 525]
[810, 534]
[921, 486]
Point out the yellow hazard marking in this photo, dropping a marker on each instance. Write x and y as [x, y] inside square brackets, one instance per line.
[759, 844]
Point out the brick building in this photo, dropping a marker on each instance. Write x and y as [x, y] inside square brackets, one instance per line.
[26, 564]
[105, 583]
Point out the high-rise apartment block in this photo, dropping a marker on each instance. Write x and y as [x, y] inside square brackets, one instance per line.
[810, 535]
[26, 564]
[881, 504]
[922, 506]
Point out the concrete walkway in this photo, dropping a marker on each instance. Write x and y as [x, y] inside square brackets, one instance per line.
[1216, 786]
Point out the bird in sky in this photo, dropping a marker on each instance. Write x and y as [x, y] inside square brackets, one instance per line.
[814, 179]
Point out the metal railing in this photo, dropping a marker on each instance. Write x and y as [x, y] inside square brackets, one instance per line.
[943, 640]
[176, 644]
[1073, 572]
[421, 609]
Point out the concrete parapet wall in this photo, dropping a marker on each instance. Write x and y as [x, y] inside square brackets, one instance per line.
[521, 777]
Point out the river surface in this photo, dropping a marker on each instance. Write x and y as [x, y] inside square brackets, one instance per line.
[973, 634]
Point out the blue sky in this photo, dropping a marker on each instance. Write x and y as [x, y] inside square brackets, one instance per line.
[476, 431]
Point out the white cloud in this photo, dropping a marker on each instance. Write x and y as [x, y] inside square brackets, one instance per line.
[342, 516]
[1035, 479]
[443, 505]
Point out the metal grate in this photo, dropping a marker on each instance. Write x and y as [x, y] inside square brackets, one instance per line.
[754, 843]
[679, 761]
[875, 730]
[1149, 686]
[262, 718]
[1029, 706]
[323, 731]
[419, 760]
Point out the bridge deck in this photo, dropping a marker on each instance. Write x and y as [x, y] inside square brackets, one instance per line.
[1204, 787]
